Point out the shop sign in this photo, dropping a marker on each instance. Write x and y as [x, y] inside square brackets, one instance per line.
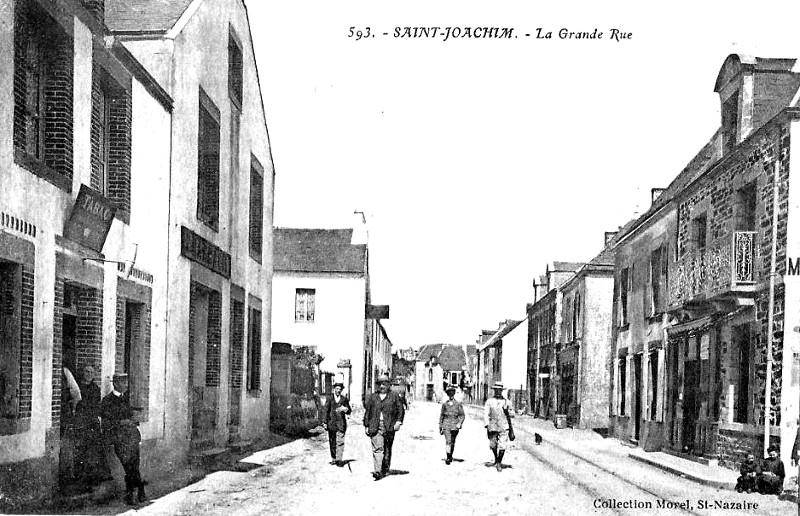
[199, 250]
[377, 311]
[90, 220]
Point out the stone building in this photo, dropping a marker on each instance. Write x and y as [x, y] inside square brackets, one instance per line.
[734, 352]
[102, 231]
[544, 332]
[321, 288]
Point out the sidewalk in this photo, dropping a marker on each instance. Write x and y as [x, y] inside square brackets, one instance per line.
[709, 475]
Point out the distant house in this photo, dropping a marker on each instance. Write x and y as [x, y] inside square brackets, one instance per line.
[321, 289]
[438, 365]
[502, 357]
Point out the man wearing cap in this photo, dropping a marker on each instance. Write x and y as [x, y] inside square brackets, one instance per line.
[383, 416]
[450, 420]
[337, 407]
[497, 421]
[121, 430]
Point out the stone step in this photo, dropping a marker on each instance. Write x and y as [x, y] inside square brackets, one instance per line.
[238, 445]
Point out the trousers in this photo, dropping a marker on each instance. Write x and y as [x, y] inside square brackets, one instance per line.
[382, 450]
[336, 442]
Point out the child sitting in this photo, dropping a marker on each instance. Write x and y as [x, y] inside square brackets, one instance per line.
[770, 481]
[749, 473]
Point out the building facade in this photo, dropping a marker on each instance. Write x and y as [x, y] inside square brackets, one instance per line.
[94, 261]
[219, 257]
[733, 283]
[544, 334]
[321, 288]
[585, 343]
[503, 358]
[439, 365]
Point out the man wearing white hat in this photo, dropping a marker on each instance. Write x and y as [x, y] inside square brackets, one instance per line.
[497, 420]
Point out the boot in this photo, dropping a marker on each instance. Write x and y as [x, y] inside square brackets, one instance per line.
[449, 459]
[494, 452]
[499, 464]
[142, 497]
[129, 496]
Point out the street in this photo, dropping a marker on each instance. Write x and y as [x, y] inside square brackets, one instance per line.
[571, 472]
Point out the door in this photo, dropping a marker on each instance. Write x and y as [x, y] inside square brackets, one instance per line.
[637, 396]
[691, 405]
[429, 393]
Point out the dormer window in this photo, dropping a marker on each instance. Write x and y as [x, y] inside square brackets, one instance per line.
[730, 122]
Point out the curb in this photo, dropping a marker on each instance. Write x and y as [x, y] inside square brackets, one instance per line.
[719, 484]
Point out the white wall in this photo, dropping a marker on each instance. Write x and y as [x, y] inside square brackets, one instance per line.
[515, 357]
[338, 327]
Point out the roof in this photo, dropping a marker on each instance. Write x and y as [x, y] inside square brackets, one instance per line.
[429, 350]
[317, 250]
[566, 266]
[143, 15]
[706, 157]
[504, 330]
[450, 356]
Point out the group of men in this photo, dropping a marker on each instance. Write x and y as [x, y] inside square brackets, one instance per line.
[90, 423]
[384, 411]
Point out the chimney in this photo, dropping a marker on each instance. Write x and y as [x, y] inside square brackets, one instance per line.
[608, 236]
[97, 8]
[655, 193]
[360, 233]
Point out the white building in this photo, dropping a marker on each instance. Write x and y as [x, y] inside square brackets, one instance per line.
[322, 300]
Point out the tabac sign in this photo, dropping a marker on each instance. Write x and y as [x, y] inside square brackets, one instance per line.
[90, 219]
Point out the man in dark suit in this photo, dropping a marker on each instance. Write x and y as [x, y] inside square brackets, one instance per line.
[337, 407]
[383, 416]
[121, 430]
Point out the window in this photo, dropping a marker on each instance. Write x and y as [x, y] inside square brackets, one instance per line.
[657, 281]
[624, 286]
[453, 378]
[745, 209]
[699, 229]
[235, 79]
[653, 361]
[256, 208]
[430, 374]
[621, 365]
[304, 305]
[576, 313]
[208, 144]
[10, 344]
[254, 351]
[111, 140]
[133, 351]
[43, 95]
[730, 115]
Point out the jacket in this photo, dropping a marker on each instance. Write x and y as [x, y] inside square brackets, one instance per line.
[336, 421]
[391, 407]
[452, 415]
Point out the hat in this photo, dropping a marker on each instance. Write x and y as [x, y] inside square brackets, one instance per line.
[773, 447]
[498, 385]
[396, 381]
[450, 387]
[382, 379]
[120, 376]
[340, 384]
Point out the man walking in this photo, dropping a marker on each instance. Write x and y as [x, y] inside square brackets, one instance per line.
[383, 416]
[337, 406]
[121, 430]
[451, 418]
[497, 421]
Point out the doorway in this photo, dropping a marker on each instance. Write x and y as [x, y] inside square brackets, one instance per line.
[691, 406]
[637, 396]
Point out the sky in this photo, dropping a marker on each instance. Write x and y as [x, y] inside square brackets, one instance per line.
[478, 161]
